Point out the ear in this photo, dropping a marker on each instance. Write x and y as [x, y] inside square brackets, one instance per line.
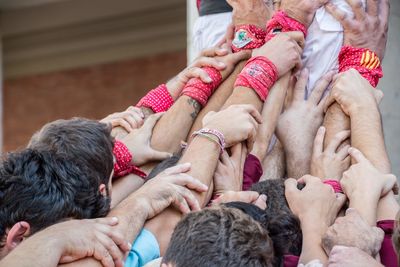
[16, 235]
[103, 189]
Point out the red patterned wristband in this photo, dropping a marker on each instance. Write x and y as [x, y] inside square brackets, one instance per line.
[335, 185]
[365, 61]
[260, 74]
[201, 91]
[281, 22]
[123, 165]
[158, 99]
[248, 37]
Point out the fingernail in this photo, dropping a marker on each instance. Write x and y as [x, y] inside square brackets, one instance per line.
[114, 219]
[221, 64]
[129, 246]
[208, 79]
[263, 197]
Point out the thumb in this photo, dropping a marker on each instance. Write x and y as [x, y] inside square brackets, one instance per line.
[180, 168]
[340, 200]
[358, 156]
[160, 155]
[151, 122]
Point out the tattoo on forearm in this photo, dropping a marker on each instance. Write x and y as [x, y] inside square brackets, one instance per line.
[196, 108]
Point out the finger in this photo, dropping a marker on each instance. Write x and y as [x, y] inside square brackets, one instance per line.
[261, 202]
[123, 123]
[336, 141]
[329, 100]
[230, 34]
[320, 87]
[190, 199]
[358, 9]
[242, 55]
[253, 112]
[373, 7]
[132, 121]
[247, 196]
[160, 155]
[132, 109]
[107, 220]
[101, 254]
[306, 179]
[300, 87]
[111, 247]
[196, 72]
[138, 118]
[339, 15]
[209, 62]
[343, 152]
[290, 186]
[151, 122]
[319, 142]
[184, 179]
[297, 36]
[358, 156]
[181, 204]
[214, 51]
[236, 151]
[225, 158]
[384, 8]
[340, 200]
[180, 168]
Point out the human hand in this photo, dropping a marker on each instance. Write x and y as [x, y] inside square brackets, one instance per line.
[366, 29]
[284, 50]
[237, 123]
[251, 197]
[353, 93]
[298, 124]
[353, 231]
[89, 238]
[130, 119]
[316, 204]
[171, 187]
[351, 257]
[364, 177]
[138, 143]
[256, 12]
[331, 163]
[302, 10]
[229, 173]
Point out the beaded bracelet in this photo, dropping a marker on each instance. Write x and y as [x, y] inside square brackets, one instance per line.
[220, 139]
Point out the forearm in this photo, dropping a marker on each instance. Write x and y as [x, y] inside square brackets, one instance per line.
[34, 252]
[174, 125]
[367, 136]
[203, 156]
[274, 165]
[244, 95]
[298, 162]
[219, 97]
[366, 205]
[123, 187]
[311, 247]
[270, 113]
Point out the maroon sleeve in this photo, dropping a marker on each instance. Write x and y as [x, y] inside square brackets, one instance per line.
[290, 261]
[252, 171]
[387, 252]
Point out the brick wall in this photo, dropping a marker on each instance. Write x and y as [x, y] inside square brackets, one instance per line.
[92, 92]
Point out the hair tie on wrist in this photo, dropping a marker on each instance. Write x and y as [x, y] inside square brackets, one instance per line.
[335, 185]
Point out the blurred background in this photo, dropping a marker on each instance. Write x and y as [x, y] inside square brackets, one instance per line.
[89, 58]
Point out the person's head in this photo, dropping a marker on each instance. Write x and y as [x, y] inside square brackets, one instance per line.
[283, 226]
[163, 165]
[84, 140]
[41, 188]
[219, 236]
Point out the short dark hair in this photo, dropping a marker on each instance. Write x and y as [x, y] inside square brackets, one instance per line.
[219, 236]
[163, 165]
[84, 140]
[43, 188]
[283, 226]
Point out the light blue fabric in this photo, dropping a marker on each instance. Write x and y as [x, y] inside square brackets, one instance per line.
[144, 249]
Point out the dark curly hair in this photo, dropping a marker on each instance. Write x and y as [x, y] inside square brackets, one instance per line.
[43, 188]
[283, 226]
[83, 140]
[219, 236]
